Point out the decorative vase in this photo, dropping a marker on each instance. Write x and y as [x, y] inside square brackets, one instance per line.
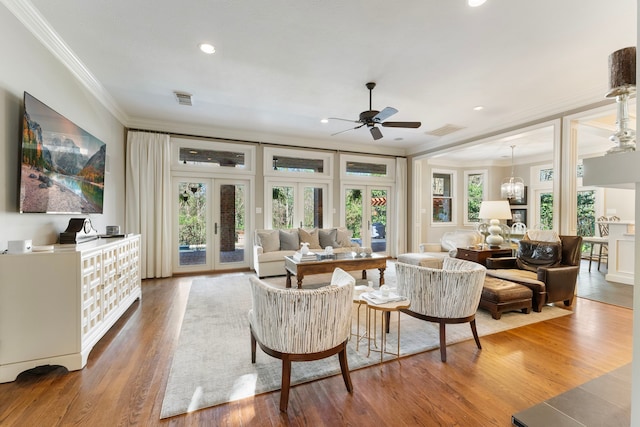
[304, 248]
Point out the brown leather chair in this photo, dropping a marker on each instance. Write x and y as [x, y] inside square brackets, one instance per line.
[531, 267]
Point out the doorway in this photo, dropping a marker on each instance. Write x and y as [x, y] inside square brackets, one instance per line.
[367, 216]
[210, 223]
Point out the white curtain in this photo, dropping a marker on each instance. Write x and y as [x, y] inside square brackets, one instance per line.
[399, 244]
[148, 200]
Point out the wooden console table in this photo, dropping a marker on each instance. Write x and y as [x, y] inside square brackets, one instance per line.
[347, 262]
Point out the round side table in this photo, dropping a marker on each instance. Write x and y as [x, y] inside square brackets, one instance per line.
[385, 308]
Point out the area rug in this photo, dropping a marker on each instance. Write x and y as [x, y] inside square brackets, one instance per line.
[212, 364]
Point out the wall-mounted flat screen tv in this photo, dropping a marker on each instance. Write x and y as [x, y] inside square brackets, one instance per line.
[62, 165]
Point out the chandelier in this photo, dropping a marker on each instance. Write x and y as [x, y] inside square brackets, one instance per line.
[512, 187]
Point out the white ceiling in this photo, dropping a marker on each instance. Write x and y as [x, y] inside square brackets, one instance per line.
[281, 66]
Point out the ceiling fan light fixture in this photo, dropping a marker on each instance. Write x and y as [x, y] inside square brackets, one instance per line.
[475, 3]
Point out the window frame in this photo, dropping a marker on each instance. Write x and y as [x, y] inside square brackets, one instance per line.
[451, 197]
[485, 176]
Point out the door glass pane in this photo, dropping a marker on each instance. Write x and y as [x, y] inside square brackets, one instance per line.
[192, 225]
[353, 213]
[379, 220]
[313, 209]
[545, 222]
[232, 222]
[282, 207]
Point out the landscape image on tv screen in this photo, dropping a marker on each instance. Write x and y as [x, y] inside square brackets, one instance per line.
[62, 165]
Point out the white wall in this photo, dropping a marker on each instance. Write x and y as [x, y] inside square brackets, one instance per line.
[620, 202]
[28, 66]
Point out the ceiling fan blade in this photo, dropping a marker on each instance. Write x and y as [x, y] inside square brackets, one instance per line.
[344, 120]
[413, 125]
[387, 112]
[347, 130]
[375, 132]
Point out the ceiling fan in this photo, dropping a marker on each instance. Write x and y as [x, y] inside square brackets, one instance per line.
[371, 118]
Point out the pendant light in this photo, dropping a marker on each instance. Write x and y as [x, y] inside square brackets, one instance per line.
[512, 187]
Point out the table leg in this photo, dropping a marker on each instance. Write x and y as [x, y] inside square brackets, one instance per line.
[383, 341]
[364, 274]
[381, 270]
[299, 276]
[288, 279]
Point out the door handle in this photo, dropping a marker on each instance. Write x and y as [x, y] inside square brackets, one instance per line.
[215, 228]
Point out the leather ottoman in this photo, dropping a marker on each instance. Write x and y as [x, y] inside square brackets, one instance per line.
[500, 295]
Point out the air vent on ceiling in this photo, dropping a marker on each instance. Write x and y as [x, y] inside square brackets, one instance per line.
[444, 130]
[183, 98]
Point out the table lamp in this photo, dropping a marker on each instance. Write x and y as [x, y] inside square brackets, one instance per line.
[494, 211]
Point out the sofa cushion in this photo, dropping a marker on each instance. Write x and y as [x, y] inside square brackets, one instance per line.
[311, 237]
[343, 237]
[518, 276]
[289, 240]
[534, 254]
[269, 240]
[328, 238]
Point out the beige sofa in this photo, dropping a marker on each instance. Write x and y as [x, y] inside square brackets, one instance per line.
[432, 255]
[271, 246]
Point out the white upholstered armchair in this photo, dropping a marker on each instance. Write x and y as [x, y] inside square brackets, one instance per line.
[302, 324]
[447, 295]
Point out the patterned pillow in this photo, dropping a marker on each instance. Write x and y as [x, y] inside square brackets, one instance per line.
[534, 254]
[311, 237]
[328, 238]
[269, 240]
[289, 240]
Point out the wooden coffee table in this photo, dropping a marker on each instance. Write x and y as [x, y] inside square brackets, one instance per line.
[347, 262]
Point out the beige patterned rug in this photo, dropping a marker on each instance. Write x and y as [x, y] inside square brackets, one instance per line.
[212, 364]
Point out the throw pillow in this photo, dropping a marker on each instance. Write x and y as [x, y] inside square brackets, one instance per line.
[328, 238]
[289, 240]
[269, 240]
[534, 254]
[343, 237]
[310, 237]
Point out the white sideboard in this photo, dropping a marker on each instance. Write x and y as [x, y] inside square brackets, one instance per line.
[55, 306]
[621, 256]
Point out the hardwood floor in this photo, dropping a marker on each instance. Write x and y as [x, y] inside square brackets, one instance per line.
[125, 378]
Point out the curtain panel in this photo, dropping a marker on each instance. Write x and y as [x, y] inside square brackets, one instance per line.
[399, 244]
[148, 200]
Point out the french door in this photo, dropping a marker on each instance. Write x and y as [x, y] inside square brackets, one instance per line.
[298, 204]
[210, 221]
[367, 215]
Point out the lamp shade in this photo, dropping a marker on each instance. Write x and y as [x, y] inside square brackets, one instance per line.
[495, 209]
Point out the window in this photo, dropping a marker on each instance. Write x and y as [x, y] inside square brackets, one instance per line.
[210, 156]
[442, 201]
[285, 162]
[475, 183]
[367, 168]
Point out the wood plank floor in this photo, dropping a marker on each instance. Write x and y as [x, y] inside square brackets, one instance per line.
[124, 381]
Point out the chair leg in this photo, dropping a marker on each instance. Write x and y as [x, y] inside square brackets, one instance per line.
[591, 256]
[474, 331]
[599, 256]
[344, 367]
[253, 348]
[286, 383]
[443, 341]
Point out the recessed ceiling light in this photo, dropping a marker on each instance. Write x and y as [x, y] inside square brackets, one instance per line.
[476, 3]
[478, 108]
[207, 48]
[324, 120]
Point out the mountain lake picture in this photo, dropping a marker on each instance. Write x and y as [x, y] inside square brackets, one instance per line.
[63, 166]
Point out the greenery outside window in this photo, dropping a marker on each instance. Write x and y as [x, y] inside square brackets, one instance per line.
[475, 189]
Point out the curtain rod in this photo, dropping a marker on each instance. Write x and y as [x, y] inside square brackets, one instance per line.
[271, 144]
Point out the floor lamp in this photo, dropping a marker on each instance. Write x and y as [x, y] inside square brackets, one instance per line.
[494, 211]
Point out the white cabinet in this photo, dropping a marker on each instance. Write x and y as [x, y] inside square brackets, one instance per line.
[55, 306]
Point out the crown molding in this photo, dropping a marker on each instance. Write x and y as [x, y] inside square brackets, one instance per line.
[33, 21]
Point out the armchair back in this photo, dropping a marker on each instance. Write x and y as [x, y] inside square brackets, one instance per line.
[295, 320]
